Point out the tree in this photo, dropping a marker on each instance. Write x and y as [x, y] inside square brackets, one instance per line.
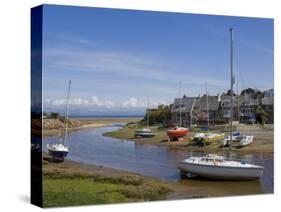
[160, 115]
[54, 115]
[262, 116]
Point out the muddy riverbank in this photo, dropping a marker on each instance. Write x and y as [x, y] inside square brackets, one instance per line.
[49, 127]
[263, 140]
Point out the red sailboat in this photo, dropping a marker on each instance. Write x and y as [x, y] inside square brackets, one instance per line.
[177, 132]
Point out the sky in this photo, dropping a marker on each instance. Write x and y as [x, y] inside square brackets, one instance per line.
[121, 61]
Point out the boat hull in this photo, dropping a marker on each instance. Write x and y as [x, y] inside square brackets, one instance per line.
[57, 155]
[175, 134]
[219, 172]
[144, 134]
[216, 138]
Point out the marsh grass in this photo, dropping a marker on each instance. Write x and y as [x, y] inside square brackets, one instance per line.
[69, 184]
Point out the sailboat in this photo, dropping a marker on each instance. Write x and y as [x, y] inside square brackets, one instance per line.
[219, 167]
[208, 137]
[178, 131]
[59, 151]
[145, 132]
[236, 137]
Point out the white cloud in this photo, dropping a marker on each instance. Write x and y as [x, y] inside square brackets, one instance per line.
[131, 102]
[94, 101]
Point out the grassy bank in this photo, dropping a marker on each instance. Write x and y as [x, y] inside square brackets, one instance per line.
[263, 141]
[71, 183]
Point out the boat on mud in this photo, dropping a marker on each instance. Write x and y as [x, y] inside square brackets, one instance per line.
[217, 167]
[145, 132]
[246, 140]
[59, 150]
[177, 132]
[207, 138]
[236, 137]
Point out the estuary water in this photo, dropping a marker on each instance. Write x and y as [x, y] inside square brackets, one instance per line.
[91, 147]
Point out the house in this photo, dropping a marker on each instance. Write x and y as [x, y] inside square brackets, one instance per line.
[194, 110]
[183, 106]
[267, 104]
[267, 101]
[226, 107]
[205, 108]
[248, 108]
[269, 93]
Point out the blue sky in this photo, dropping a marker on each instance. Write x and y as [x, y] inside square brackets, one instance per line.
[117, 59]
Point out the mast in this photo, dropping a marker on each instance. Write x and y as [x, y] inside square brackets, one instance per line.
[237, 99]
[147, 113]
[180, 101]
[67, 111]
[208, 118]
[231, 84]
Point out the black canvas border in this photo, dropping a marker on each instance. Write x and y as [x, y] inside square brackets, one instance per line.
[36, 104]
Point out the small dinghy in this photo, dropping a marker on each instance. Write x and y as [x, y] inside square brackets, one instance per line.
[217, 167]
[246, 140]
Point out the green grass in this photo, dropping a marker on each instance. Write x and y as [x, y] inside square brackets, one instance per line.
[85, 191]
[69, 192]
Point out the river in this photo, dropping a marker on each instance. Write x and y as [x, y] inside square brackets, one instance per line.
[91, 147]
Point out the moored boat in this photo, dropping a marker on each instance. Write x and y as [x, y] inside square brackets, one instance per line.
[205, 138]
[217, 167]
[59, 150]
[145, 132]
[177, 132]
[246, 140]
[236, 137]
[210, 137]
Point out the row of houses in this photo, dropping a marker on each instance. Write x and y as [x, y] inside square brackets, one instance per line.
[217, 109]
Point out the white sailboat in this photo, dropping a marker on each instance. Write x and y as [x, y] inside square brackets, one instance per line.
[246, 140]
[59, 151]
[215, 166]
[236, 137]
[145, 132]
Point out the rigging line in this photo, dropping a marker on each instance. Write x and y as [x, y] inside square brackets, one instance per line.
[258, 144]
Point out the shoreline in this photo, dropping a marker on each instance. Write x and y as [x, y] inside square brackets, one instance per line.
[52, 126]
[263, 141]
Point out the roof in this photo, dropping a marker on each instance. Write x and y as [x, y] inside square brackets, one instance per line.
[245, 100]
[187, 104]
[213, 103]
